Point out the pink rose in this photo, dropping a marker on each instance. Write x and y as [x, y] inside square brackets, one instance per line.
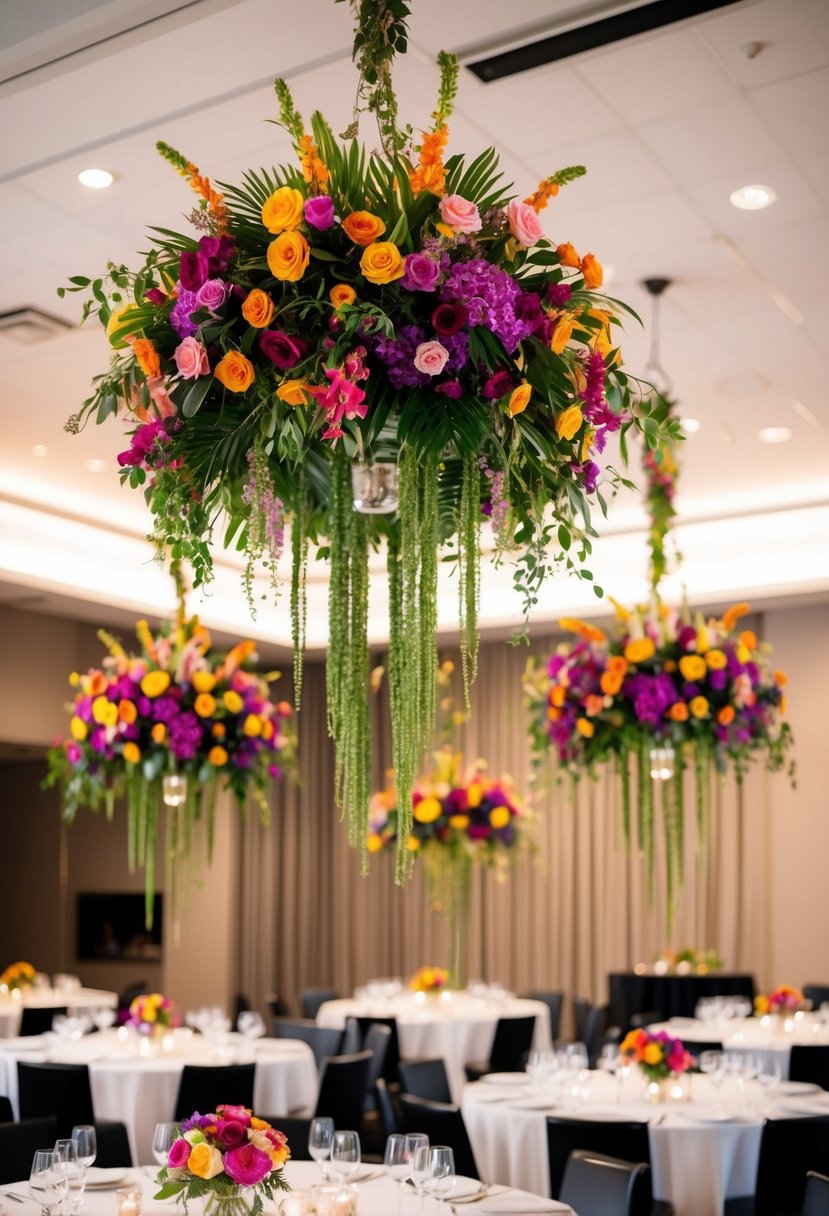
[212, 294]
[191, 359]
[247, 1165]
[430, 358]
[178, 1155]
[524, 224]
[460, 214]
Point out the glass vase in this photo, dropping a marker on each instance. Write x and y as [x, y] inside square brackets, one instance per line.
[234, 1201]
[457, 912]
[374, 487]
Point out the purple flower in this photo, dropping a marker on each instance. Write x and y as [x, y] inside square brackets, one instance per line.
[164, 709]
[559, 293]
[184, 735]
[193, 269]
[179, 1154]
[247, 1165]
[147, 446]
[196, 1121]
[155, 296]
[589, 473]
[319, 211]
[498, 385]
[490, 296]
[449, 388]
[283, 350]
[180, 315]
[218, 250]
[422, 273]
[212, 294]
[398, 354]
[449, 318]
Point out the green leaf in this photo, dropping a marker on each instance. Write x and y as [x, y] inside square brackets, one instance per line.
[195, 395]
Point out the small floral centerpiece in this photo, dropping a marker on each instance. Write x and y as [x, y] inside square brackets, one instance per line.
[688, 959]
[231, 1159]
[153, 1015]
[179, 709]
[658, 1055]
[784, 999]
[429, 979]
[17, 976]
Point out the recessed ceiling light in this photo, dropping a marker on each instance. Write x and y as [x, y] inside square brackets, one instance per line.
[95, 179]
[753, 198]
[691, 425]
[39, 450]
[96, 465]
[775, 434]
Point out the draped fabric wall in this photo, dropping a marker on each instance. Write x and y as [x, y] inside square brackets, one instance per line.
[562, 919]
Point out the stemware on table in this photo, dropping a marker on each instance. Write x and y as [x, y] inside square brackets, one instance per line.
[345, 1155]
[47, 1181]
[87, 1144]
[441, 1180]
[164, 1137]
[320, 1138]
[73, 1170]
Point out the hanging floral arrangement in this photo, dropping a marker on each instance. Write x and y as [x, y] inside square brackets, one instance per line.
[383, 350]
[166, 729]
[663, 694]
[660, 469]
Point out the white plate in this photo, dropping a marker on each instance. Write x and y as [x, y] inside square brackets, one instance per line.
[503, 1078]
[104, 1180]
[791, 1089]
[498, 1094]
[539, 1102]
[464, 1188]
[707, 1116]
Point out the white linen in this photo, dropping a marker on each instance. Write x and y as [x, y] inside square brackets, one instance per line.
[770, 1040]
[456, 1027]
[701, 1152]
[140, 1090]
[76, 1001]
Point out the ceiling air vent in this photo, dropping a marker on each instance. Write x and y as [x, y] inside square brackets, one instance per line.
[28, 326]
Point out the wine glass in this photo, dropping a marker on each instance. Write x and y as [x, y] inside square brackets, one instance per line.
[66, 1159]
[420, 1172]
[164, 1137]
[345, 1155]
[396, 1162]
[712, 1063]
[87, 1145]
[441, 1173]
[320, 1135]
[251, 1024]
[47, 1182]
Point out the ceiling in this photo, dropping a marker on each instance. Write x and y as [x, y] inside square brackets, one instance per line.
[668, 125]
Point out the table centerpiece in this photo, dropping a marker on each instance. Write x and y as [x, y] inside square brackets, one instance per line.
[153, 1015]
[17, 977]
[784, 999]
[662, 1059]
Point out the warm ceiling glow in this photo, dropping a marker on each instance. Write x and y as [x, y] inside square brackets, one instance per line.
[753, 198]
[40, 450]
[691, 425]
[775, 434]
[96, 465]
[95, 179]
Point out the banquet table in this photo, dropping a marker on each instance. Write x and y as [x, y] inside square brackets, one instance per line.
[673, 995]
[769, 1040]
[703, 1150]
[75, 1000]
[457, 1027]
[137, 1083]
[376, 1196]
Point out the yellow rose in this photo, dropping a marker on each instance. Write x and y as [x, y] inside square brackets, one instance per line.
[428, 810]
[692, 667]
[341, 294]
[743, 654]
[474, 795]
[565, 321]
[639, 650]
[716, 660]
[699, 707]
[520, 398]
[294, 392]
[159, 732]
[374, 843]
[283, 210]
[500, 817]
[288, 256]
[459, 822]
[217, 756]
[235, 372]
[205, 705]
[362, 227]
[205, 1161]
[132, 753]
[252, 726]
[652, 1054]
[204, 681]
[155, 683]
[569, 422]
[78, 729]
[258, 309]
[585, 728]
[104, 711]
[233, 702]
[382, 262]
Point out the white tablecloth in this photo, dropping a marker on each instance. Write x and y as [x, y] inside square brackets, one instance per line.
[457, 1027]
[770, 1040]
[140, 1090]
[702, 1151]
[76, 1001]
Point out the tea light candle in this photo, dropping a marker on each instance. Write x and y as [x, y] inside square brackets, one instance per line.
[129, 1202]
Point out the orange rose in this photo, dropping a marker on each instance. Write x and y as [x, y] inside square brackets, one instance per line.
[146, 357]
[293, 392]
[726, 715]
[639, 650]
[258, 309]
[342, 293]
[205, 705]
[283, 210]
[520, 398]
[567, 255]
[235, 372]
[568, 422]
[217, 756]
[748, 638]
[563, 332]
[362, 227]
[158, 732]
[288, 257]
[132, 753]
[610, 683]
[678, 712]
[382, 262]
[592, 271]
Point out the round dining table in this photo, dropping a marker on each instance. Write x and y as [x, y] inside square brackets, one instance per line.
[455, 1026]
[703, 1150]
[135, 1081]
[768, 1039]
[74, 1000]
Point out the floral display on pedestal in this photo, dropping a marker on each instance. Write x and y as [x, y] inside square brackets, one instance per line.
[17, 976]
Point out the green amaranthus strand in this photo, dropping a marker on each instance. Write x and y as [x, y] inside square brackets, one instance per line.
[338, 592]
[404, 658]
[427, 608]
[299, 565]
[624, 771]
[357, 725]
[469, 571]
[645, 800]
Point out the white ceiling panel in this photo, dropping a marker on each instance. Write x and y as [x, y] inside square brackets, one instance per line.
[793, 38]
[728, 137]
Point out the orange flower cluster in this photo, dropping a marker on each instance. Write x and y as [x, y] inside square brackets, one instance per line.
[430, 173]
[547, 189]
[215, 201]
[313, 169]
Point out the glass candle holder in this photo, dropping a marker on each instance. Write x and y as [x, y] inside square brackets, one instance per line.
[128, 1199]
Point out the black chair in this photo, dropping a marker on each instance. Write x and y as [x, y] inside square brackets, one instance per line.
[818, 994]
[553, 1001]
[323, 1042]
[513, 1039]
[241, 1004]
[627, 1141]
[698, 1046]
[809, 1063]
[596, 1185]
[387, 1109]
[816, 1199]
[18, 1144]
[6, 1112]
[789, 1149]
[596, 1031]
[377, 1040]
[342, 1091]
[62, 1092]
[646, 1018]
[37, 1020]
[425, 1079]
[443, 1124]
[310, 1000]
[277, 1007]
[356, 1035]
[203, 1087]
[580, 1007]
[126, 998]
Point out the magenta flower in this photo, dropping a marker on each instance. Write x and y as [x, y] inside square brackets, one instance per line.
[319, 212]
[230, 1134]
[178, 1155]
[247, 1165]
[422, 273]
[449, 318]
[283, 350]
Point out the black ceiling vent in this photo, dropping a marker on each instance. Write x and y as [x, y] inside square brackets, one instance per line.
[591, 37]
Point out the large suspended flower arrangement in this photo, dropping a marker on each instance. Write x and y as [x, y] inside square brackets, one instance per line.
[349, 311]
[660, 468]
[167, 728]
[664, 693]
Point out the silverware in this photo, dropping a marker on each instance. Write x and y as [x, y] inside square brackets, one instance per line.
[11, 1195]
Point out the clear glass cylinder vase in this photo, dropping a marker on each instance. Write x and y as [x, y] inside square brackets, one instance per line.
[374, 487]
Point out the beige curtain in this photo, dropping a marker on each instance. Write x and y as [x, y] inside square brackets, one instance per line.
[566, 915]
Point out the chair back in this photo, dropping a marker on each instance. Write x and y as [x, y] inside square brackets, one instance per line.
[276, 1006]
[818, 994]
[390, 1072]
[203, 1087]
[816, 1199]
[593, 1030]
[625, 1141]
[789, 1149]
[645, 1018]
[57, 1090]
[310, 1000]
[596, 1184]
[443, 1124]
[322, 1041]
[343, 1089]
[18, 1144]
[513, 1039]
[809, 1062]
[553, 1001]
[389, 1118]
[6, 1112]
[38, 1019]
[580, 1007]
[425, 1079]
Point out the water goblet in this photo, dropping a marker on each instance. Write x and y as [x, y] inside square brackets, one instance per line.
[712, 1063]
[345, 1155]
[87, 1144]
[320, 1136]
[66, 1161]
[164, 1137]
[396, 1162]
[441, 1178]
[420, 1172]
[47, 1182]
